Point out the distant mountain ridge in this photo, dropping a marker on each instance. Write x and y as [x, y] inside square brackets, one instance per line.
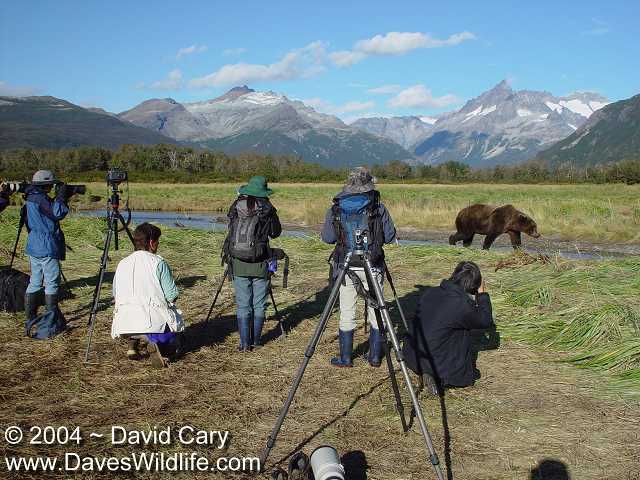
[405, 131]
[246, 120]
[50, 122]
[611, 134]
[499, 126]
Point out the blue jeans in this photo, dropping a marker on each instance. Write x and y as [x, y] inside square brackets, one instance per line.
[251, 296]
[44, 270]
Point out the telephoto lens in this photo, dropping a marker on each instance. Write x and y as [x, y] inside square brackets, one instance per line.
[325, 464]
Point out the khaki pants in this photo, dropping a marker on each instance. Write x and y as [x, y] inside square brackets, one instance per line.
[348, 298]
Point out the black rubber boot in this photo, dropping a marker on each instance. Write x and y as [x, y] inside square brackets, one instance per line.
[346, 349]
[50, 302]
[31, 305]
[376, 342]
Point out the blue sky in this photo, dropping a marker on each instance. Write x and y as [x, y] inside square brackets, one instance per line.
[349, 58]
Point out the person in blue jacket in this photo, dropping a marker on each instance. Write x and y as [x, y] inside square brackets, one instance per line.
[45, 242]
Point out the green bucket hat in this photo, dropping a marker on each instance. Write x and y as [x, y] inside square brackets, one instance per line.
[257, 187]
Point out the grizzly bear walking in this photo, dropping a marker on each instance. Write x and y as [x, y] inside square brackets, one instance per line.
[492, 222]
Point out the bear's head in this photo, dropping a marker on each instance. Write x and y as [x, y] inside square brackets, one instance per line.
[527, 225]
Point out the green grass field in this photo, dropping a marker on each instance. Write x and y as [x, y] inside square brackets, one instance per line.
[590, 213]
[565, 382]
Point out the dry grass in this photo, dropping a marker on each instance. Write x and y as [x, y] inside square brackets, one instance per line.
[525, 408]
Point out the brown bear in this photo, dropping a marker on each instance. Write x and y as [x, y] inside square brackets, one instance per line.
[492, 222]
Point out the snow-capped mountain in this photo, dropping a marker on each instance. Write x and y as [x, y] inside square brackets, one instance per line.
[245, 120]
[405, 131]
[499, 126]
[506, 126]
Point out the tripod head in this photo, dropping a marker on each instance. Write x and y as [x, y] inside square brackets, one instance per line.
[361, 242]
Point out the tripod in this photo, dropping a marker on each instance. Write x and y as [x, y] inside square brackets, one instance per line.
[383, 316]
[113, 218]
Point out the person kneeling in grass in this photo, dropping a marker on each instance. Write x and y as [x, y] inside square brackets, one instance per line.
[144, 291]
[439, 345]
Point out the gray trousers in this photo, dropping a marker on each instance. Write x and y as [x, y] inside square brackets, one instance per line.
[348, 301]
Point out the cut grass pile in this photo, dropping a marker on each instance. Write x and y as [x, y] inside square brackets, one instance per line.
[530, 403]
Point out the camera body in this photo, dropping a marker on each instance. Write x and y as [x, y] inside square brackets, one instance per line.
[76, 189]
[360, 238]
[115, 176]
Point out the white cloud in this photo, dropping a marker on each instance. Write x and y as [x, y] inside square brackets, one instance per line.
[346, 58]
[419, 96]
[328, 107]
[385, 89]
[300, 63]
[232, 52]
[394, 43]
[183, 52]
[172, 82]
[17, 90]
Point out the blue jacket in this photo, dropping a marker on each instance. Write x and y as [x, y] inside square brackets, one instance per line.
[43, 222]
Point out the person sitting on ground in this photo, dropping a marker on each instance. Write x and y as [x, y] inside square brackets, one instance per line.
[45, 242]
[357, 207]
[252, 221]
[439, 345]
[144, 291]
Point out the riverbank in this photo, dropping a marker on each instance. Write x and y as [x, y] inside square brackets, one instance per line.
[597, 214]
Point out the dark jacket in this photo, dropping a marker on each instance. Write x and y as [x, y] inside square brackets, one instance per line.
[440, 333]
[4, 201]
[43, 222]
[268, 227]
[329, 235]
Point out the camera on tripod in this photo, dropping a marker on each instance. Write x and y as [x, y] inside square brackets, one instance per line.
[116, 176]
[360, 238]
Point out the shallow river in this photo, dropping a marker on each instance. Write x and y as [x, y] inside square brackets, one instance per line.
[215, 223]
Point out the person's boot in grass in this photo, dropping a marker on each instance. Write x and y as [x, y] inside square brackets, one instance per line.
[346, 349]
[258, 323]
[244, 332]
[376, 342]
[31, 305]
[157, 360]
[133, 345]
[51, 303]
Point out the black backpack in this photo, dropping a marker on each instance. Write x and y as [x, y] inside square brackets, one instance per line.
[13, 285]
[247, 240]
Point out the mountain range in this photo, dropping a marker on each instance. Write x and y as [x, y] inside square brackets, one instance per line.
[610, 135]
[499, 126]
[245, 120]
[49, 122]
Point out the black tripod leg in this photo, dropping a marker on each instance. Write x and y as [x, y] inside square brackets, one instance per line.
[395, 295]
[125, 227]
[96, 292]
[283, 331]
[15, 245]
[384, 312]
[390, 367]
[215, 298]
[326, 313]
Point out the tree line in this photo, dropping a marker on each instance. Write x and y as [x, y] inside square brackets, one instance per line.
[168, 163]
